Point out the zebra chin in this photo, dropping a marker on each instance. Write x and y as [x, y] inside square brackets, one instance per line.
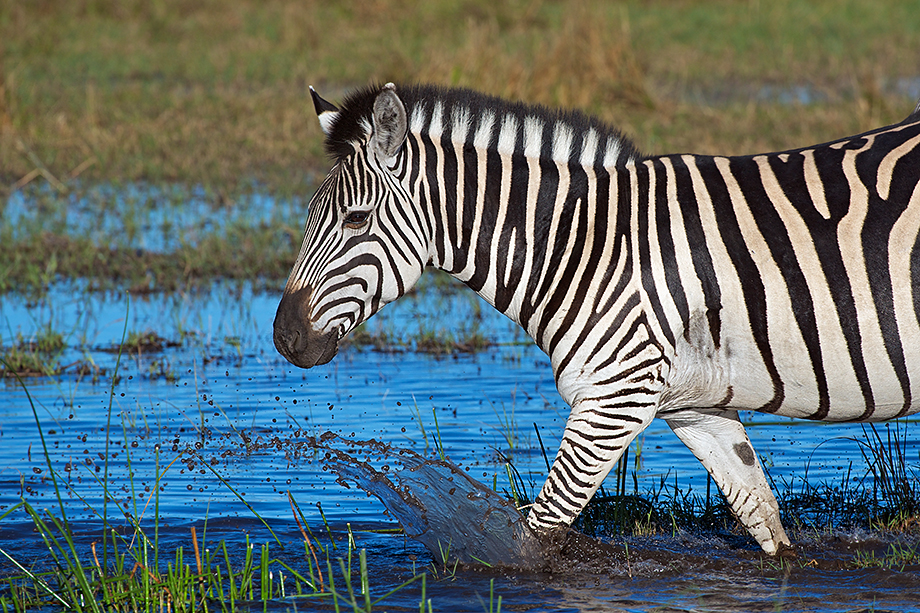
[305, 347]
[296, 339]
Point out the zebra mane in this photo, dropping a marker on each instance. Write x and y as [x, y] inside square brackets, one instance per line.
[462, 113]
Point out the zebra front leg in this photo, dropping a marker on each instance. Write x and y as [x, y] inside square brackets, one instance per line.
[719, 441]
[593, 441]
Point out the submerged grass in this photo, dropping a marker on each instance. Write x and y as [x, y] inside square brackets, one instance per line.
[245, 255]
[38, 356]
[143, 239]
[436, 342]
[883, 500]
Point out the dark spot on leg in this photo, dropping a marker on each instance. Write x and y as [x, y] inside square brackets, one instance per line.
[745, 452]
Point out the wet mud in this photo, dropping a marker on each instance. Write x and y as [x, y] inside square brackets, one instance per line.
[438, 504]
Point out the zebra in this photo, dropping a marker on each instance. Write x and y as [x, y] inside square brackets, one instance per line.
[685, 287]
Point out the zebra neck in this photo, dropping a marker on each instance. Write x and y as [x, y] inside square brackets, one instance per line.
[515, 196]
[520, 230]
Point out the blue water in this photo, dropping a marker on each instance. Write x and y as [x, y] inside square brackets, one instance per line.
[227, 377]
[222, 417]
[139, 216]
[180, 438]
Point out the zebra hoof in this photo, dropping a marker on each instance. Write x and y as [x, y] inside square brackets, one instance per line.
[786, 551]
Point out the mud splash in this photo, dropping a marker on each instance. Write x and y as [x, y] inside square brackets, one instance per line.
[437, 503]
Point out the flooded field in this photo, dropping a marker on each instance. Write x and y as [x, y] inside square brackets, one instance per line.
[158, 442]
[204, 425]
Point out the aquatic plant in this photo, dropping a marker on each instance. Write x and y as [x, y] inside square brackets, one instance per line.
[38, 355]
[146, 342]
[508, 426]
[131, 571]
[885, 499]
[897, 557]
[895, 484]
[134, 578]
[378, 340]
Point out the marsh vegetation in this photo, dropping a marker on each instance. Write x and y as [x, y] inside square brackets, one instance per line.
[155, 163]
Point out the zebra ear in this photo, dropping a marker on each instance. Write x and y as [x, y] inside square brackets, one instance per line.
[390, 124]
[326, 111]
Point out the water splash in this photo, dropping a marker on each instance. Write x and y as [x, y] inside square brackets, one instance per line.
[437, 503]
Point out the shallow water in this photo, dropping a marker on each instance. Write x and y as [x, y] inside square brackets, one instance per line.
[221, 417]
[158, 218]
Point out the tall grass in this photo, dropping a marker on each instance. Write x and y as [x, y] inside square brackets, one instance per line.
[585, 60]
[136, 575]
[882, 498]
[895, 484]
[212, 96]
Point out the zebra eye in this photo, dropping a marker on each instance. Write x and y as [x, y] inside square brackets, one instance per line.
[356, 219]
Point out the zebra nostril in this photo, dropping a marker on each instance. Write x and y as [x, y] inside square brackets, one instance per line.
[297, 341]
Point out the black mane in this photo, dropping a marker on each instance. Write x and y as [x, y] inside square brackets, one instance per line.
[357, 109]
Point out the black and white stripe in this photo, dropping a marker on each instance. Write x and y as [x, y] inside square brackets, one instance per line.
[684, 287]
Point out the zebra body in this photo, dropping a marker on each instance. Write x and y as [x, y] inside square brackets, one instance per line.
[684, 287]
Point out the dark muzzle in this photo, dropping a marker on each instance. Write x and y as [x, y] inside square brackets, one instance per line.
[295, 337]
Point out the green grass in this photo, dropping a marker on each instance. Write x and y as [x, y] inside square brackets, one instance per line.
[37, 356]
[153, 239]
[214, 94]
[137, 575]
[883, 500]
[211, 98]
[897, 557]
[431, 341]
[131, 571]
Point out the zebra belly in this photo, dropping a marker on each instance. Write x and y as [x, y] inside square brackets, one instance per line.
[835, 383]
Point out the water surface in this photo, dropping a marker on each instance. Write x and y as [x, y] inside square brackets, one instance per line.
[221, 416]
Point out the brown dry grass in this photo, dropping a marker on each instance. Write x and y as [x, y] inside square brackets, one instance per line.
[214, 93]
[585, 62]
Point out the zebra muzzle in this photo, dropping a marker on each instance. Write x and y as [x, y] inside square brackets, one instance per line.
[296, 339]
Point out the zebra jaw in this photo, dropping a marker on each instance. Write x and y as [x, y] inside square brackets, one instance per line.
[296, 339]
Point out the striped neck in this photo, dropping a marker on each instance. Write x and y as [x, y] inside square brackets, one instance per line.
[509, 191]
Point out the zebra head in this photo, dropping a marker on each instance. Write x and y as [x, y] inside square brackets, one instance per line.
[363, 245]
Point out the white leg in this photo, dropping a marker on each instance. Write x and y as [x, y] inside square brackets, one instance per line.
[719, 441]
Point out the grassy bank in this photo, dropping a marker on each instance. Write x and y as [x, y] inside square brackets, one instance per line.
[145, 238]
[215, 94]
[211, 97]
